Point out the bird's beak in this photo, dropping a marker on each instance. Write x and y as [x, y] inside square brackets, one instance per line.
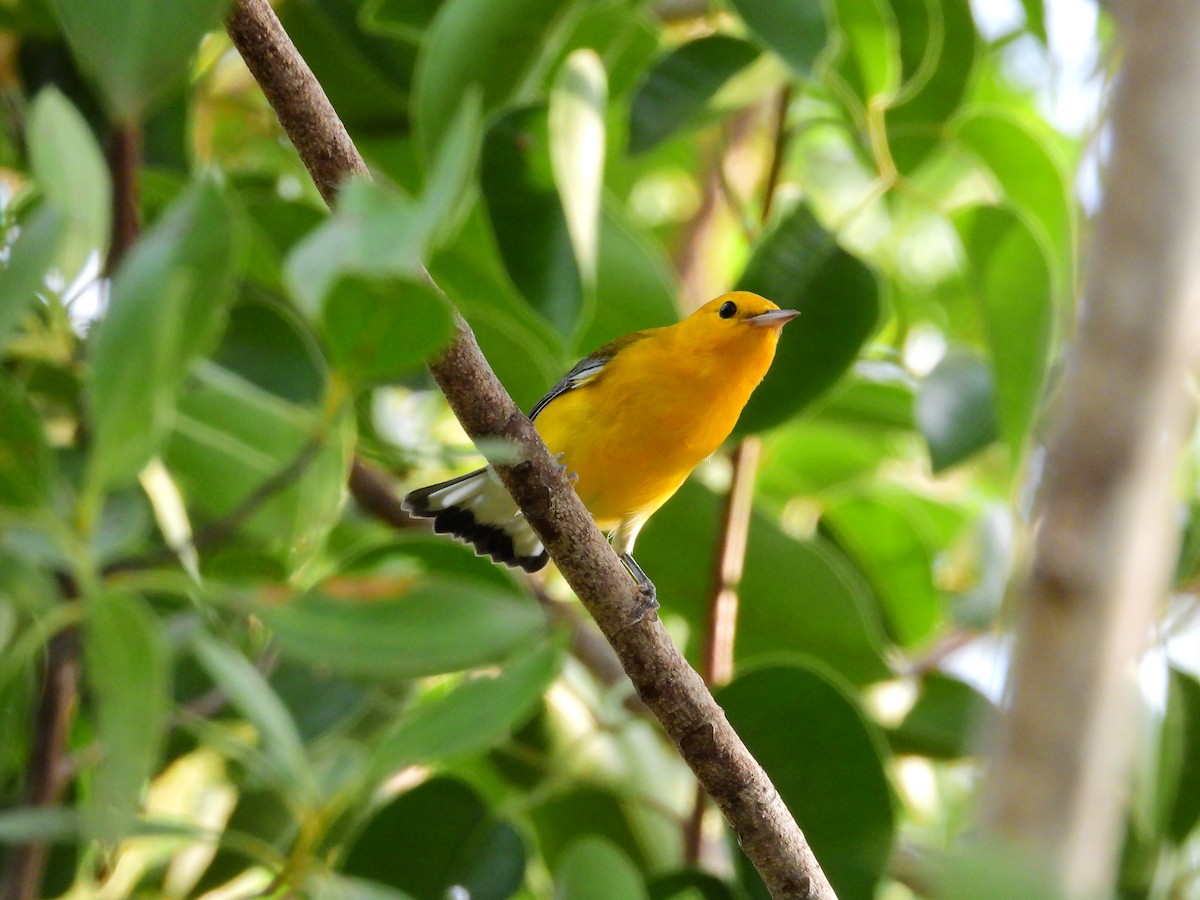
[773, 318]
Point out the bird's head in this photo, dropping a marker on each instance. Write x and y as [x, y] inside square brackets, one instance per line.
[739, 318]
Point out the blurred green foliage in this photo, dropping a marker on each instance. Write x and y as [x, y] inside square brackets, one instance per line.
[281, 693]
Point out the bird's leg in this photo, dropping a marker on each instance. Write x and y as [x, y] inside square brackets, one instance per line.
[649, 595]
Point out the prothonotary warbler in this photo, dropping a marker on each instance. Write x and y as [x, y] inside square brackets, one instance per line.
[629, 423]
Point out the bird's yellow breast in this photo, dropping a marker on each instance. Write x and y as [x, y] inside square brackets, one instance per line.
[657, 409]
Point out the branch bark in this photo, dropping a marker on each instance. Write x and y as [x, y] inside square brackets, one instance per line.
[1106, 537]
[665, 682]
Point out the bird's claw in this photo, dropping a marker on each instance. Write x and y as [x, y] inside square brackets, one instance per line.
[572, 477]
[646, 604]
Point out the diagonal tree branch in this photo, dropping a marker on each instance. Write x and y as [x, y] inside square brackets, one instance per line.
[665, 682]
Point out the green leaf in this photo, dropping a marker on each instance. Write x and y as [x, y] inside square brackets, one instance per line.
[525, 352]
[26, 465]
[29, 260]
[1010, 275]
[527, 216]
[438, 625]
[126, 665]
[374, 231]
[382, 329]
[250, 693]
[585, 810]
[871, 48]
[577, 104]
[824, 759]
[799, 265]
[438, 835]
[635, 289]
[268, 345]
[70, 170]
[230, 438]
[796, 596]
[475, 715]
[595, 869]
[366, 73]
[166, 308]
[136, 51]
[956, 409]
[939, 47]
[451, 177]
[491, 45]
[944, 723]
[1179, 780]
[884, 534]
[1033, 178]
[795, 29]
[675, 90]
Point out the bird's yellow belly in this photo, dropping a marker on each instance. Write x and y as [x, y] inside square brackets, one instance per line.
[628, 465]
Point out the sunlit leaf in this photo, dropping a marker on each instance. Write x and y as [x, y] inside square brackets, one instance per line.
[578, 99]
[374, 232]
[944, 31]
[1009, 272]
[871, 51]
[886, 536]
[1025, 162]
[635, 288]
[527, 216]
[70, 170]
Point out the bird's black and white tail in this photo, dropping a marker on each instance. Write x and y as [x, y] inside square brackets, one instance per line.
[477, 510]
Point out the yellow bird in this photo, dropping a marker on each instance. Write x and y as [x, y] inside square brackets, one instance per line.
[629, 423]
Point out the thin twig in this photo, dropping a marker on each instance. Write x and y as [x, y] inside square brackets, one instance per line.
[374, 493]
[666, 683]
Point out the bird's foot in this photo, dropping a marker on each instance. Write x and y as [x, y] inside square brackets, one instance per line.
[646, 604]
[572, 477]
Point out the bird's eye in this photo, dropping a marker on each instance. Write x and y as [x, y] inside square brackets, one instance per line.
[728, 310]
